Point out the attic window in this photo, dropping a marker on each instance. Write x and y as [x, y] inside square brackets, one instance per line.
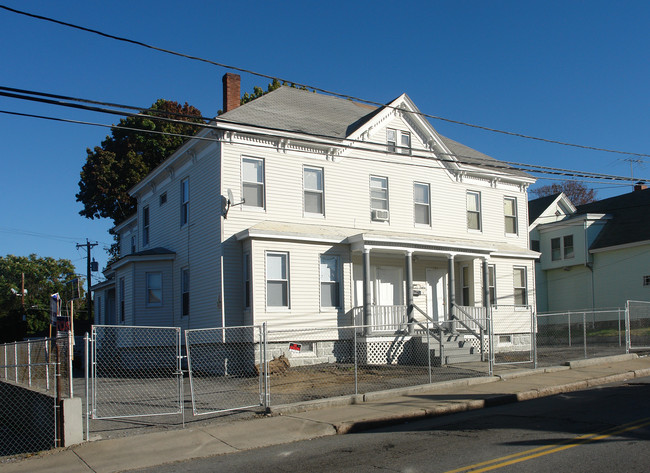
[163, 198]
[391, 140]
[558, 213]
[646, 281]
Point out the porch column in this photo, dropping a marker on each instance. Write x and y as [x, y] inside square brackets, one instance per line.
[452, 293]
[409, 292]
[367, 298]
[486, 283]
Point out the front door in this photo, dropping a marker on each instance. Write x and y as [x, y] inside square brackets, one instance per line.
[389, 286]
[436, 293]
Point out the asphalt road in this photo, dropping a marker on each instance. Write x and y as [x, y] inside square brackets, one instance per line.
[604, 429]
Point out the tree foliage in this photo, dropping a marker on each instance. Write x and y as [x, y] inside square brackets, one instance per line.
[577, 192]
[43, 277]
[126, 156]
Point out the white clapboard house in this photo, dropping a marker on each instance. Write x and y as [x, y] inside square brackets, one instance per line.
[304, 210]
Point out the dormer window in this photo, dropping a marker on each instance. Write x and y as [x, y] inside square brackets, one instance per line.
[391, 140]
[392, 144]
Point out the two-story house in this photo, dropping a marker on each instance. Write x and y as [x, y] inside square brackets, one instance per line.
[305, 210]
[593, 256]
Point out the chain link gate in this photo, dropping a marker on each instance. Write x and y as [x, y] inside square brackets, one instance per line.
[637, 323]
[226, 368]
[135, 371]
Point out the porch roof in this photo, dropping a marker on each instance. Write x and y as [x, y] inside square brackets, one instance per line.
[359, 239]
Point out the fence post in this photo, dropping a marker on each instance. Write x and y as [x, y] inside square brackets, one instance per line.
[628, 338]
[584, 332]
[29, 364]
[86, 413]
[70, 353]
[569, 319]
[533, 339]
[356, 362]
[429, 350]
[16, 361]
[618, 318]
[267, 394]
[181, 381]
[491, 353]
[5, 361]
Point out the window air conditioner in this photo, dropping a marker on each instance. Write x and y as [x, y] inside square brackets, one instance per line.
[380, 215]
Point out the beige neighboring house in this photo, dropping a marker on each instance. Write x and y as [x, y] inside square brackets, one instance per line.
[304, 210]
[593, 256]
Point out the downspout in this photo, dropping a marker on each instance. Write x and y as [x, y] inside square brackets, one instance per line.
[366, 292]
[409, 291]
[452, 292]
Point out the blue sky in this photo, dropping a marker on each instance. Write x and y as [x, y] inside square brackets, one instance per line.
[570, 71]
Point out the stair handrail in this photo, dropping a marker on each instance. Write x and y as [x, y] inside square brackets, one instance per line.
[479, 334]
[435, 324]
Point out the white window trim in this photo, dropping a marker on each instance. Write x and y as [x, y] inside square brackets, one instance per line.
[273, 308]
[185, 204]
[386, 189]
[562, 248]
[525, 287]
[339, 274]
[428, 205]
[146, 294]
[253, 208]
[313, 191]
[480, 212]
[493, 267]
[515, 216]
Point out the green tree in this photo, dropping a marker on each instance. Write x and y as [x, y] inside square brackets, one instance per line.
[577, 192]
[126, 156]
[43, 277]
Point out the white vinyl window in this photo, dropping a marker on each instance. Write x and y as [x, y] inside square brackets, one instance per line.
[520, 288]
[185, 292]
[422, 203]
[330, 281]
[405, 142]
[568, 246]
[121, 297]
[314, 191]
[185, 201]
[465, 285]
[562, 248]
[510, 214]
[391, 140]
[145, 226]
[492, 284]
[277, 280]
[154, 289]
[253, 182]
[379, 198]
[473, 210]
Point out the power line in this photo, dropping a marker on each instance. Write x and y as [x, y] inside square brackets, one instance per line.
[496, 164]
[311, 87]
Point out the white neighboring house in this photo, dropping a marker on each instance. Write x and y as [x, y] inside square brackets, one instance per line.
[596, 255]
[339, 213]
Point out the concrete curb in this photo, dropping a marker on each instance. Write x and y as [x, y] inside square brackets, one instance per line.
[599, 361]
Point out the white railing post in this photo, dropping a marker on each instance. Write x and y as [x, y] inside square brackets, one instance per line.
[29, 364]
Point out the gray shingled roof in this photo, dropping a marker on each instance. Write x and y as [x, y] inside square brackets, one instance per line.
[537, 206]
[301, 111]
[629, 221]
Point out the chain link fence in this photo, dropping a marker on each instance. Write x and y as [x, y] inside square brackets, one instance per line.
[579, 334]
[33, 374]
[512, 334]
[638, 321]
[135, 371]
[226, 368]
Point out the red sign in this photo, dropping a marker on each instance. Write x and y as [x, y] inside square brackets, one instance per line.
[295, 346]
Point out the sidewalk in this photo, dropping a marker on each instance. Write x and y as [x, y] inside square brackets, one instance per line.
[303, 421]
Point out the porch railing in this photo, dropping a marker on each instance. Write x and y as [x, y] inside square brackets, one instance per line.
[474, 320]
[383, 318]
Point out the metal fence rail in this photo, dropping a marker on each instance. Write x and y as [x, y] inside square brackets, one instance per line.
[226, 368]
[135, 371]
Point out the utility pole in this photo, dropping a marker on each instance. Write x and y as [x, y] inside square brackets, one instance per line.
[89, 305]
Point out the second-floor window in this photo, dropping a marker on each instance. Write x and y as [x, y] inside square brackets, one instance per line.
[145, 226]
[379, 198]
[562, 248]
[492, 284]
[473, 210]
[253, 182]
[510, 214]
[314, 194]
[421, 203]
[185, 201]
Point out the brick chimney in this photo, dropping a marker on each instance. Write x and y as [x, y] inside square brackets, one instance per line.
[231, 91]
[639, 186]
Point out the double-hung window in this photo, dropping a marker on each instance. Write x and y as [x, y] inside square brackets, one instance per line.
[314, 194]
[247, 281]
[492, 284]
[185, 201]
[121, 296]
[465, 285]
[154, 289]
[379, 198]
[185, 291]
[422, 203]
[520, 289]
[277, 280]
[405, 142]
[133, 243]
[510, 214]
[145, 226]
[556, 250]
[253, 182]
[329, 281]
[473, 210]
[402, 146]
[391, 140]
[568, 246]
